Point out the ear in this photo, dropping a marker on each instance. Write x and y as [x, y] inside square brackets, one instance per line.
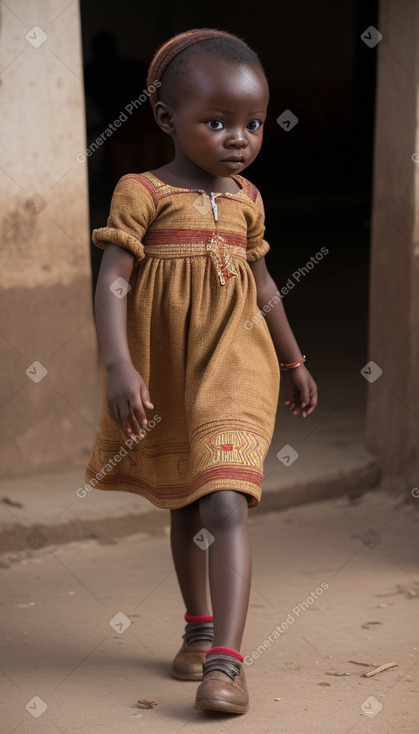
[164, 117]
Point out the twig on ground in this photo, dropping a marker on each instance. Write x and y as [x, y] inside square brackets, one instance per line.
[380, 669]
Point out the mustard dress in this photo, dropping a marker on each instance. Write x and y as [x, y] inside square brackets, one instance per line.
[197, 338]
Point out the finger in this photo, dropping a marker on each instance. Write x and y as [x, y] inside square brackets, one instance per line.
[293, 399]
[146, 398]
[313, 400]
[293, 406]
[129, 425]
[114, 412]
[127, 429]
[124, 413]
[135, 425]
[310, 407]
[138, 411]
[302, 407]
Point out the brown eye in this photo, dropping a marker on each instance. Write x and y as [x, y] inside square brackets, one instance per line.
[215, 124]
[254, 125]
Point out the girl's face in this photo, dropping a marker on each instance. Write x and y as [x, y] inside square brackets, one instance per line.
[217, 119]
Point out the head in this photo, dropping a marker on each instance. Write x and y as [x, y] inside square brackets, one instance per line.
[212, 99]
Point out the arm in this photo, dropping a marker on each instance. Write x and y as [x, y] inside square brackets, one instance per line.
[127, 393]
[302, 388]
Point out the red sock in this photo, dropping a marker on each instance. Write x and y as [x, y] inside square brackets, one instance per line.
[202, 618]
[227, 651]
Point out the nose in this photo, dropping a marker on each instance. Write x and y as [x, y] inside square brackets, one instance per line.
[236, 139]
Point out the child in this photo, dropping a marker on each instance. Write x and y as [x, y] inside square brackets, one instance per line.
[182, 276]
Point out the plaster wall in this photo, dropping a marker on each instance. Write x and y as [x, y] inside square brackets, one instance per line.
[48, 344]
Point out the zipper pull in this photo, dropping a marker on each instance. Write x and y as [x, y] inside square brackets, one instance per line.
[214, 207]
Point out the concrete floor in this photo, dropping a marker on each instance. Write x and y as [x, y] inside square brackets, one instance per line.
[64, 663]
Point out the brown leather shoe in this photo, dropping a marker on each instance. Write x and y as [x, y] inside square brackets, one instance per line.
[188, 662]
[221, 692]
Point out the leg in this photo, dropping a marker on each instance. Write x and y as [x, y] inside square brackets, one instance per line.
[223, 688]
[224, 514]
[189, 560]
[191, 570]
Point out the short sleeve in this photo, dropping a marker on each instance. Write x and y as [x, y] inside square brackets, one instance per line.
[131, 213]
[257, 247]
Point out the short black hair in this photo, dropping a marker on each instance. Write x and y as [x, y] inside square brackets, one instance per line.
[225, 48]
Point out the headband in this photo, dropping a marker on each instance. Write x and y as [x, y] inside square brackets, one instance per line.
[174, 46]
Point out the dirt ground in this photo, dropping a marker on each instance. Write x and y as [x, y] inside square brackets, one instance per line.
[89, 629]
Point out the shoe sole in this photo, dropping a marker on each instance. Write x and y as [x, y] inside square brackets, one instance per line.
[229, 708]
[187, 676]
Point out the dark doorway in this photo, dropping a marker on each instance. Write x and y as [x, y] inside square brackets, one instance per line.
[315, 179]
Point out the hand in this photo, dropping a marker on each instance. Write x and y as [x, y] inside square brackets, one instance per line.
[302, 390]
[128, 397]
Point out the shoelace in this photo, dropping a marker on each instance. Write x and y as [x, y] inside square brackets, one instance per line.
[224, 663]
[195, 632]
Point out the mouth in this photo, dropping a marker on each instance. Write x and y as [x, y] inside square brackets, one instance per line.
[233, 161]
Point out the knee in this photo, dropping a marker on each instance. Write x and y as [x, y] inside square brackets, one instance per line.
[224, 510]
[186, 517]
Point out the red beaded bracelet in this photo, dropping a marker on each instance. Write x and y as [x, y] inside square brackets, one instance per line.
[291, 365]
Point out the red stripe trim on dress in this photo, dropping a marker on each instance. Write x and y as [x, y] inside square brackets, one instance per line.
[188, 236]
[167, 491]
[146, 183]
[249, 188]
[155, 191]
